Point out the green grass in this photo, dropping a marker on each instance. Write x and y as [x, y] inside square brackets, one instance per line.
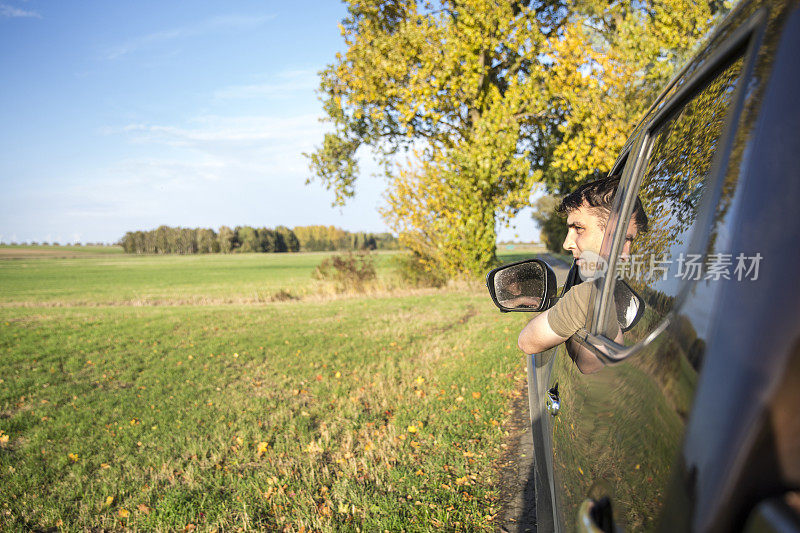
[376, 412]
[134, 279]
[66, 249]
[114, 278]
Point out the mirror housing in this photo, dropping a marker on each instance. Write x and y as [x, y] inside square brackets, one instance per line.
[526, 286]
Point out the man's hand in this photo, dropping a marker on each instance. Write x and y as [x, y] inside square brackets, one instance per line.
[537, 336]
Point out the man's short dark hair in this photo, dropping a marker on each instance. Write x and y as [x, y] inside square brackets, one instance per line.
[599, 195]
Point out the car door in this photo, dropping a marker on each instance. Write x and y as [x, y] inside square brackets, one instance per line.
[618, 430]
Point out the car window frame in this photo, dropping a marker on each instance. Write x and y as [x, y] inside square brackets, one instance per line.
[743, 43]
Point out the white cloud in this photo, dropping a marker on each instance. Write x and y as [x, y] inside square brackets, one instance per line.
[301, 130]
[7, 11]
[287, 85]
[215, 24]
[205, 172]
[167, 173]
[216, 153]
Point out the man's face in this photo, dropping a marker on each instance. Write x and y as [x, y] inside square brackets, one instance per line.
[585, 231]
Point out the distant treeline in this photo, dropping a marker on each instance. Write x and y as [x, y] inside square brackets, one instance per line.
[167, 240]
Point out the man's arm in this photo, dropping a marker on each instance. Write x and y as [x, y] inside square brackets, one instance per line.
[537, 336]
[568, 316]
[522, 301]
[558, 323]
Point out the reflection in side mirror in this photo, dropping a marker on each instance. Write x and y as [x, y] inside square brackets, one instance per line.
[630, 306]
[525, 286]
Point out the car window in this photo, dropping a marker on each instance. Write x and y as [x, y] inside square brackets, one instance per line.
[680, 153]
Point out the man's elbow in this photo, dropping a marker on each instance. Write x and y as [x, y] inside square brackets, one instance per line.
[527, 344]
[521, 344]
[537, 336]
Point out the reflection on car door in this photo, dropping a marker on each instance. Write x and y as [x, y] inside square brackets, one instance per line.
[618, 430]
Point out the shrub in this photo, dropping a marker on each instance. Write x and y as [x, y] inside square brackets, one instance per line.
[348, 271]
[283, 295]
[415, 271]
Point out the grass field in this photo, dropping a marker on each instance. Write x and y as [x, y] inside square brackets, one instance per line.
[376, 412]
[85, 277]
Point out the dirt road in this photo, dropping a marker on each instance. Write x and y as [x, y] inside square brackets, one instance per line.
[516, 465]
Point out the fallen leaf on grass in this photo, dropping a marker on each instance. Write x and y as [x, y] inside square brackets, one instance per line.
[73, 457]
[123, 513]
[143, 508]
[313, 447]
[109, 501]
[262, 448]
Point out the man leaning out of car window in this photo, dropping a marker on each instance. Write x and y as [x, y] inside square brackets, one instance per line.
[587, 209]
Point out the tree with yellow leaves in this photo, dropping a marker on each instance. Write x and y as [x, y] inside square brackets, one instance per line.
[469, 103]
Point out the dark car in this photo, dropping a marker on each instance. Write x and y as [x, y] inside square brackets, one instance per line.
[692, 422]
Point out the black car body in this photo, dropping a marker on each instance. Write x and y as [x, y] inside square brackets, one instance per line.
[692, 423]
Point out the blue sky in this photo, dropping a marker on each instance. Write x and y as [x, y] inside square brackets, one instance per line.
[117, 116]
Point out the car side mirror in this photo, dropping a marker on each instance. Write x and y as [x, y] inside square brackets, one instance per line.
[629, 305]
[525, 286]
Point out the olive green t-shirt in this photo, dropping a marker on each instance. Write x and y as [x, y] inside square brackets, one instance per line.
[569, 313]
